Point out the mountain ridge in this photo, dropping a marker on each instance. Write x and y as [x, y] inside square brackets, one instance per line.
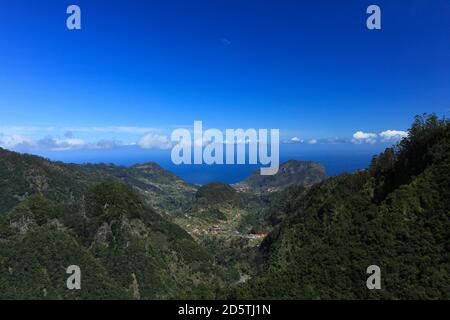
[395, 214]
[122, 246]
[319, 235]
[292, 172]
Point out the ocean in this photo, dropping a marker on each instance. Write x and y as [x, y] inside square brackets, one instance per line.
[336, 159]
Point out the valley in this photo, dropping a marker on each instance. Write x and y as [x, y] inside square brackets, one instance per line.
[141, 232]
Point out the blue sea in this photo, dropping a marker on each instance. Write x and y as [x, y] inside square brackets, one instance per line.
[337, 159]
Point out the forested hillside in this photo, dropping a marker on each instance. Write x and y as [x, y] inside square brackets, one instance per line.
[395, 214]
[160, 188]
[293, 172]
[23, 175]
[124, 249]
[141, 232]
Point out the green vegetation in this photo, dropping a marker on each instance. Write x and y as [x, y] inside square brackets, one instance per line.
[142, 233]
[123, 247]
[293, 172]
[219, 219]
[161, 189]
[24, 175]
[395, 215]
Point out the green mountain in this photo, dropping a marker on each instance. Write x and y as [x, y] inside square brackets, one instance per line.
[213, 198]
[160, 188]
[62, 203]
[123, 247]
[141, 232]
[395, 214]
[217, 193]
[25, 175]
[293, 172]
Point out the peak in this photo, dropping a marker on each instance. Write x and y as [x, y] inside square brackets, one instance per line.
[147, 165]
[216, 192]
[299, 172]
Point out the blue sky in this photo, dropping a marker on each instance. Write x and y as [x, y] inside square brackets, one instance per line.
[143, 68]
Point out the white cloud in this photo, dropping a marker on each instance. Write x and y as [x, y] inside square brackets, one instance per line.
[9, 141]
[109, 144]
[117, 129]
[225, 41]
[296, 140]
[364, 137]
[51, 143]
[393, 135]
[336, 140]
[154, 141]
[71, 142]
[65, 144]
[33, 138]
[388, 135]
[312, 141]
[26, 144]
[106, 129]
